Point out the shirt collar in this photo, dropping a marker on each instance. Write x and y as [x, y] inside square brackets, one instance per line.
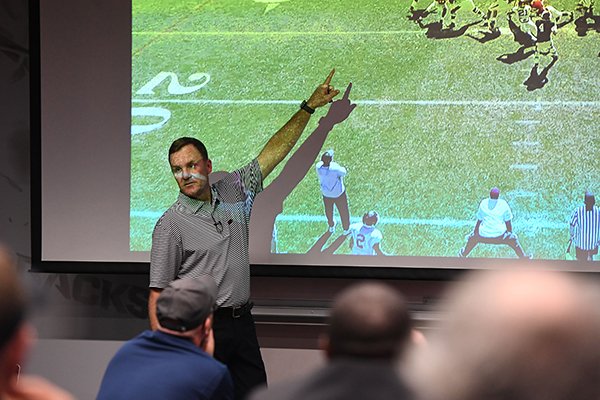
[195, 205]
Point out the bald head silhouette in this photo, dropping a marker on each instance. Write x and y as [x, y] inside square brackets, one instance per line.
[368, 320]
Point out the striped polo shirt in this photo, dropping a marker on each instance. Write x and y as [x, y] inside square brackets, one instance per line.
[195, 237]
[585, 228]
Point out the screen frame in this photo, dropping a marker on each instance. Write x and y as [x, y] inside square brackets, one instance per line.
[414, 268]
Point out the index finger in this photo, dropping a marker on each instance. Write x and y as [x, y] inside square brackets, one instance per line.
[347, 92]
[328, 80]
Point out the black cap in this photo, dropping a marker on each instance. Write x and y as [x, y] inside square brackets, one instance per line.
[185, 303]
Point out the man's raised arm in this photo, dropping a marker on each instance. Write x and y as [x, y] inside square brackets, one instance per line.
[285, 138]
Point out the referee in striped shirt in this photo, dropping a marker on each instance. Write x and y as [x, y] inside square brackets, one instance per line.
[585, 229]
[206, 232]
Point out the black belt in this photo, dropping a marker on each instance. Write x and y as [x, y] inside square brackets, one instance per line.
[234, 312]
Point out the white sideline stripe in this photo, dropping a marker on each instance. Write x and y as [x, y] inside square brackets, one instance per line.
[493, 103]
[525, 167]
[527, 122]
[443, 222]
[525, 143]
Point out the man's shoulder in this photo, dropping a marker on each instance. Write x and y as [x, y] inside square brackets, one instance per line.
[239, 177]
[132, 344]
[169, 215]
[504, 204]
[337, 167]
[337, 380]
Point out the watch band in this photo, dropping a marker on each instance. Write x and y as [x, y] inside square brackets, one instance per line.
[304, 105]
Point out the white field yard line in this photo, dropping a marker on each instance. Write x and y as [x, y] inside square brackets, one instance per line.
[485, 103]
[440, 222]
[530, 126]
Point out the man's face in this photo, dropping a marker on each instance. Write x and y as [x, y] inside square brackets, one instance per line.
[191, 171]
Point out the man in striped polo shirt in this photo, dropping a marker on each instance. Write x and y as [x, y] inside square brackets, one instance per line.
[206, 232]
[585, 229]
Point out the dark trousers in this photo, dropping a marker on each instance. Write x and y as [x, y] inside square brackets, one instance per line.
[508, 239]
[585, 255]
[237, 347]
[341, 202]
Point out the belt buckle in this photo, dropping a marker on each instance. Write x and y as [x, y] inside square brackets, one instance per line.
[236, 312]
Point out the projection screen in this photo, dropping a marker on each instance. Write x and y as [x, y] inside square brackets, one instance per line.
[457, 103]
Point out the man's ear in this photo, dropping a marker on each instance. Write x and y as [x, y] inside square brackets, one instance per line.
[207, 326]
[208, 339]
[209, 165]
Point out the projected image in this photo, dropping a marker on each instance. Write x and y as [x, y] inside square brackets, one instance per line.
[475, 132]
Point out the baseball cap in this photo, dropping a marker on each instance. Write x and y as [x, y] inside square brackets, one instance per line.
[327, 156]
[185, 303]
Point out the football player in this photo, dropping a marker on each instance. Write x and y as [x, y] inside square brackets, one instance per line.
[436, 12]
[455, 6]
[497, 7]
[520, 16]
[365, 239]
[544, 45]
[560, 18]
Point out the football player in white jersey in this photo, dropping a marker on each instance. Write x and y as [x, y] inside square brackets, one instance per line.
[494, 226]
[365, 239]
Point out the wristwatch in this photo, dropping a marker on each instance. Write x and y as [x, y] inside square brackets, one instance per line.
[304, 105]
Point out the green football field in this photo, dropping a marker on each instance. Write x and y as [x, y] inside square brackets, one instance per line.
[439, 120]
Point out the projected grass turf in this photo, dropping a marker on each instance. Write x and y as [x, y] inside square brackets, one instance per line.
[438, 122]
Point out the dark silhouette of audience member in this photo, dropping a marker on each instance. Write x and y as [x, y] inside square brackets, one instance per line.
[175, 361]
[514, 335]
[16, 338]
[369, 329]
[269, 203]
